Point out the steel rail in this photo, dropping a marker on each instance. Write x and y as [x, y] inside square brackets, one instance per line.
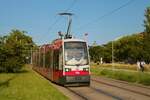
[98, 81]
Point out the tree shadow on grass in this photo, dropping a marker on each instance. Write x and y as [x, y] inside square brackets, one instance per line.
[22, 71]
[16, 72]
[7, 82]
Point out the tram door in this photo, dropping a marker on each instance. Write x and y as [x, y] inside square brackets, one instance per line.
[56, 65]
[51, 64]
[60, 62]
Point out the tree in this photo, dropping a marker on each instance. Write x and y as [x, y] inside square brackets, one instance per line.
[147, 35]
[95, 53]
[129, 48]
[107, 52]
[14, 49]
[98, 52]
[147, 21]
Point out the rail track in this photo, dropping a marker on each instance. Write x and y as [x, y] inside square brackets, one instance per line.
[98, 92]
[78, 94]
[124, 88]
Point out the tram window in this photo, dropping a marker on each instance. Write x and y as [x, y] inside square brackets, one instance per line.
[76, 53]
[47, 59]
[41, 59]
[56, 59]
[51, 59]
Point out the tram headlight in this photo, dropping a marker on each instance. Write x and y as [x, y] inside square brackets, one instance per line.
[67, 69]
[85, 69]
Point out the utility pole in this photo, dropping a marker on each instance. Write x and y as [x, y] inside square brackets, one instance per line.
[113, 67]
[112, 55]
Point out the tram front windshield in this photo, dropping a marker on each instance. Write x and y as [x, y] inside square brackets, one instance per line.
[75, 53]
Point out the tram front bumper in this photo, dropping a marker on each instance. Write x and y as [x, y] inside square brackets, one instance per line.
[77, 79]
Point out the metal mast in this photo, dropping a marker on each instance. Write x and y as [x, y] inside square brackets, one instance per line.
[68, 34]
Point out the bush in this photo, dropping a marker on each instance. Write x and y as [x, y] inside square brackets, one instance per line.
[11, 64]
[13, 50]
[9, 61]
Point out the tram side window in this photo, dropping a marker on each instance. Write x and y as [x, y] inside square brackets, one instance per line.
[56, 59]
[41, 59]
[51, 59]
[47, 59]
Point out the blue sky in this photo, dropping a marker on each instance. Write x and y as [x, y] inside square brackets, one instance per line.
[37, 17]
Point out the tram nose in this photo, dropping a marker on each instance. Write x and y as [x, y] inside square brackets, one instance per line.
[77, 66]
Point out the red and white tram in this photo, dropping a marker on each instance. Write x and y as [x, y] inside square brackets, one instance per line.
[65, 61]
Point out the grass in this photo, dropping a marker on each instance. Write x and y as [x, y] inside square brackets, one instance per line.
[27, 85]
[124, 75]
[121, 66]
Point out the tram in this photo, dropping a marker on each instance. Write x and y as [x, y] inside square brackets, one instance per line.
[65, 61]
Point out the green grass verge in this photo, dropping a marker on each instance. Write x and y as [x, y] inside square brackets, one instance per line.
[129, 76]
[27, 85]
[121, 66]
